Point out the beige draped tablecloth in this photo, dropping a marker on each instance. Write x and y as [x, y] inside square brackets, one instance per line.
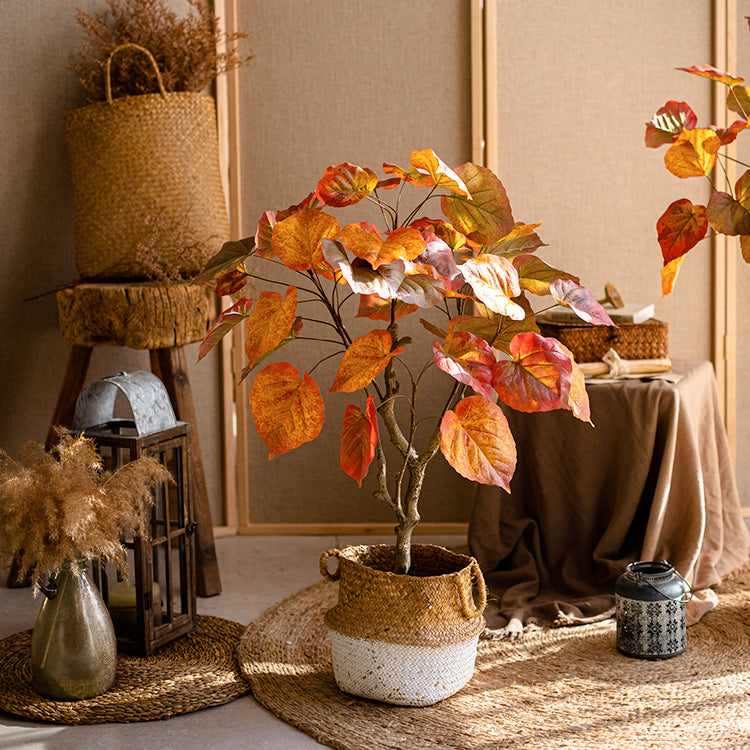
[652, 480]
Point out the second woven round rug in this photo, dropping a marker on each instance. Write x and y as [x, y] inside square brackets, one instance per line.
[561, 688]
[195, 671]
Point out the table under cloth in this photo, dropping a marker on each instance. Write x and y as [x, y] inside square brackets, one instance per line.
[652, 480]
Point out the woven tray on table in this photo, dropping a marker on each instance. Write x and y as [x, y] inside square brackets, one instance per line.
[589, 343]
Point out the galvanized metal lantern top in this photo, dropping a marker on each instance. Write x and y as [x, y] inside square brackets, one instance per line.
[145, 393]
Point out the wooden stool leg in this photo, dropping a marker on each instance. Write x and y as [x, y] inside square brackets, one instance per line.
[75, 376]
[72, 385]
[170, 366]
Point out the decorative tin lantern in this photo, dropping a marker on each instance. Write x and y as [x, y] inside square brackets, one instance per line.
[650, 600]
[156, 603]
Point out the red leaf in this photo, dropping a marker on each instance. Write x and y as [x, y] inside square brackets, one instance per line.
[287, 410]
[345, 184]
[359, 436]
[539, 376]
[231, 282]
[224, 324]
[468, 359]
[264, 233]
[680, 228]
[708, 71]
[669, 122]
[476, 441]
[580, 300]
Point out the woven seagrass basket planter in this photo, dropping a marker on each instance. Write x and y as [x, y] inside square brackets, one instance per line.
[147, 190]
[409, 640]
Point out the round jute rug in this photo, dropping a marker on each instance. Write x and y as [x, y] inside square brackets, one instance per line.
[192, 672]
[562, 688]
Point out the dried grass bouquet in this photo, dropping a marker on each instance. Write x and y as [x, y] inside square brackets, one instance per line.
[62, 505]
[185, 48]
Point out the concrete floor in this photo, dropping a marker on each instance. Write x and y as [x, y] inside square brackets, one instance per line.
[256, 572]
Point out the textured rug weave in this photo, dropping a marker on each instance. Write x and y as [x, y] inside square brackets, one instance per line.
[560, 688]
[195, 671]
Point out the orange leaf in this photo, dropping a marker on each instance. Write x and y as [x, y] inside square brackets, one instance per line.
[442, 175]
[375, 307]
[287, 410]
[669, 275]
[476, 441]
[363, 360]
[359, 436]
[345, 184]
[296, 239]
[693, 154]
[486, 217]
[364, 240]
[539, 376]
[269, 323]
[680, 228]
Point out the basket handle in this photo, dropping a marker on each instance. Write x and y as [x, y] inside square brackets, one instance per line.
[130, 45]
[324, 565]
[469, 609]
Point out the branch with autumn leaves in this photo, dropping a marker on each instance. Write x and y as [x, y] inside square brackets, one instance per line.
[474, 266]
[695, 152]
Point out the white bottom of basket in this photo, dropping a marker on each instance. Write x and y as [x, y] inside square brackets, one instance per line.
[398, 674]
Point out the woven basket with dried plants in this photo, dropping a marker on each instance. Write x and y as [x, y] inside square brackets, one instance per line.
[62, 505]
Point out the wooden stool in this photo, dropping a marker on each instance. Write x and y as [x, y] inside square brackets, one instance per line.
[160, 317]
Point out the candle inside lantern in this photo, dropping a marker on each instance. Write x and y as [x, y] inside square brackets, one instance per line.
[123, 607]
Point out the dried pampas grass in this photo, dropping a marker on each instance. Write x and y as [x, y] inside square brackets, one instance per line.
[62, 505]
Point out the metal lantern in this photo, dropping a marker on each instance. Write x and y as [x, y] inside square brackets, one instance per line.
[650, 600]
[155, 603]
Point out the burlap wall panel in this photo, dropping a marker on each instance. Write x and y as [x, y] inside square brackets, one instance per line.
[577, 82]
[364, 82]
[36, 212]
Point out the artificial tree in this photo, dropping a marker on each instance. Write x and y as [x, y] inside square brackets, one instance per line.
[695, 152]
[473, 266]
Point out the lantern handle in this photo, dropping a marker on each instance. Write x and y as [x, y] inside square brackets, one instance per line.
[679, 599]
